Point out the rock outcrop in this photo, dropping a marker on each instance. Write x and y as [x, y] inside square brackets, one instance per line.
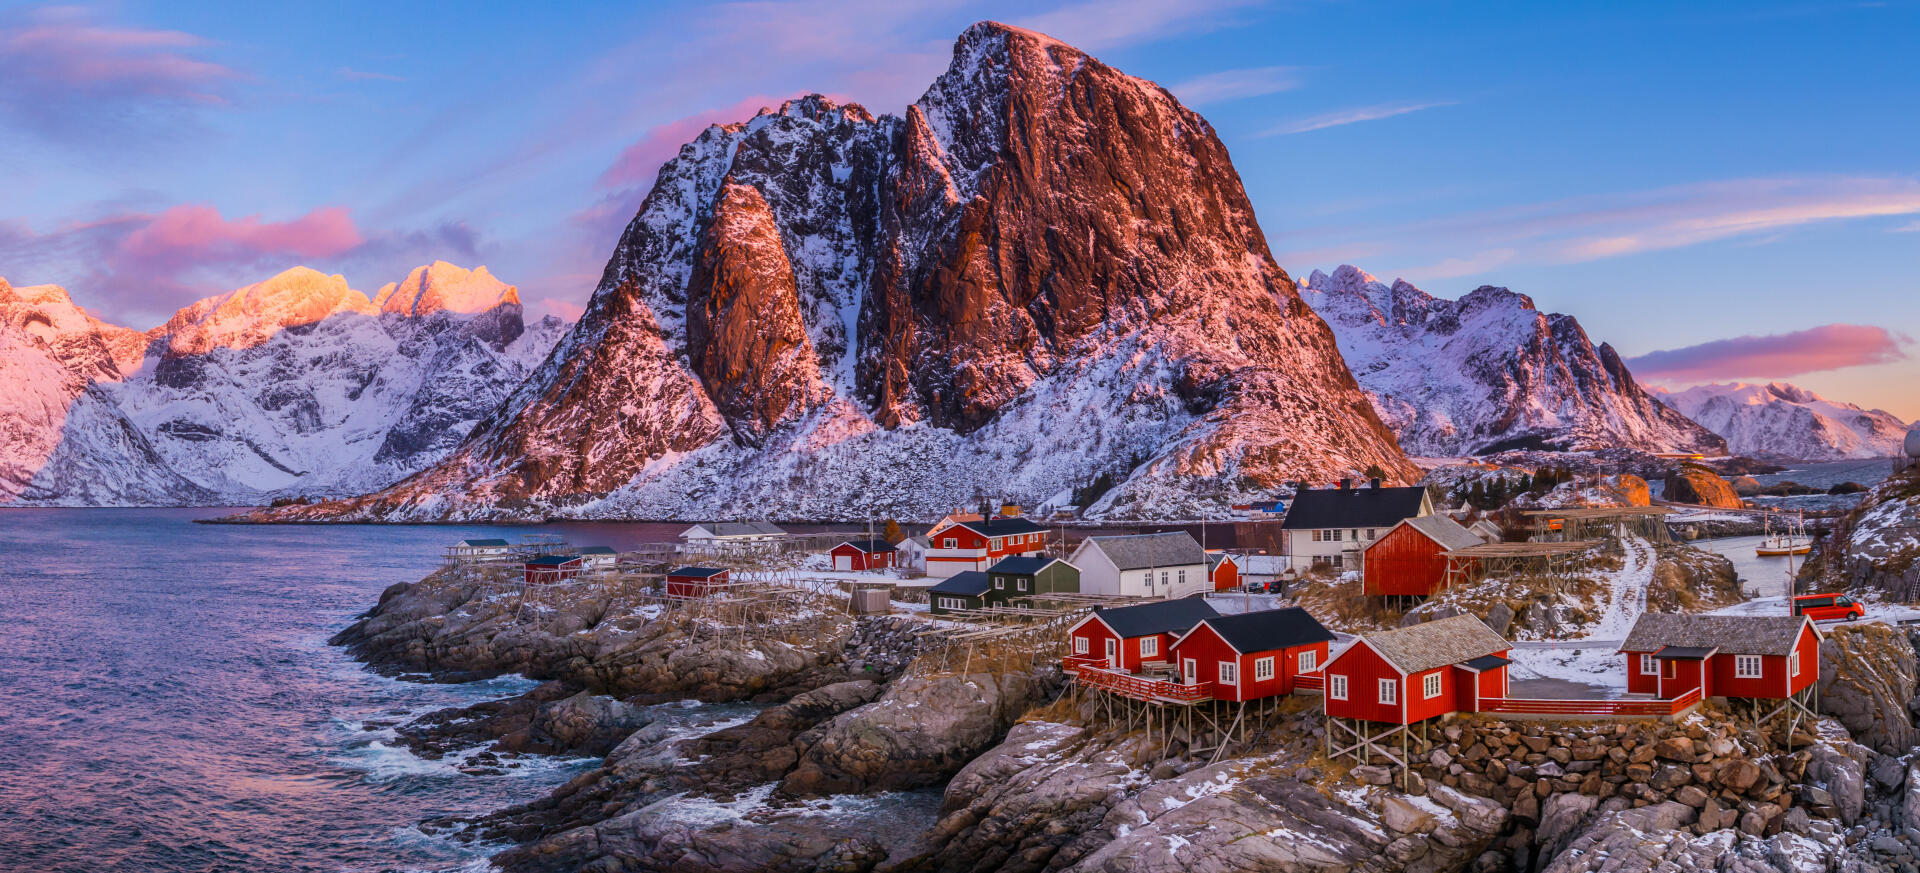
[1699, 485]
[1868, 681]
[1876, 545]
[1044, 260]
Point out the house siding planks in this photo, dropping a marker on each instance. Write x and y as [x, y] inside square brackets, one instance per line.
[857, 560]
[972, 551]
[1638, 682]
[1097, 634]
[1226, 575]
[1809, 648]
[1403, 563]
[1493, 684]
[1363, 668]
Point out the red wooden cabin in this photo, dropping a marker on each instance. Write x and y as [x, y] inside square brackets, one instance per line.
[1757, 656]
[1412, 674]
[1124, 637]
[1252, 655]
[548, 569]
[957, 545]
[1410, 560]
[862, 555]
[697, 581]
[1224, 570]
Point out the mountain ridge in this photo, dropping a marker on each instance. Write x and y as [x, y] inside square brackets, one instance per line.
[1782, 420]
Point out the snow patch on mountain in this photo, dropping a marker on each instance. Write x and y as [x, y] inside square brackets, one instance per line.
[1781, 420]
[1489, 371]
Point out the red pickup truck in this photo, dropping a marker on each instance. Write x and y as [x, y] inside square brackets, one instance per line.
[1828, 607]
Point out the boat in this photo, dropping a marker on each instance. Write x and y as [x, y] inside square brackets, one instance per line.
[1792, 541]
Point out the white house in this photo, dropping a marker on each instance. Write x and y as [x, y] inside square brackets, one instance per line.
[1330, 527]
[733, 532]
[482, 551]
[594, 558]
[912, 552]
[1143, 565]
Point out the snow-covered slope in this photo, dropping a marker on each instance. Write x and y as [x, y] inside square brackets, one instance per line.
[295, 385]
[1489, 372]
[1787, 421]
[1045, 271]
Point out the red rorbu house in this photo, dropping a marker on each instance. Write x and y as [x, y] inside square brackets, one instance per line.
[549, 569]
[1758, 657]
[959, 544]
[1411, 674]
[1410, 559]
[1224, 570]
[1252, 655]
[1126, 637]
[862, 555]
[697, 581]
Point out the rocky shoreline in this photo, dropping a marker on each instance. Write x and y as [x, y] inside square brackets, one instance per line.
[855, 720]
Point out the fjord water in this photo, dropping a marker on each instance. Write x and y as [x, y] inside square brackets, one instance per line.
[168, 701]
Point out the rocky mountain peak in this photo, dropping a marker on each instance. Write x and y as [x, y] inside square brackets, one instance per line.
[444, 287]
[251, 315]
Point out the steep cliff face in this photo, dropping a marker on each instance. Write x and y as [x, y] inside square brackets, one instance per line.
[1786, 421]
[1489, 371]
[1045, 271]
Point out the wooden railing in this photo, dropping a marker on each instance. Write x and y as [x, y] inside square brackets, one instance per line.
[1136, 687]
[1310, 681]
[1591, 708]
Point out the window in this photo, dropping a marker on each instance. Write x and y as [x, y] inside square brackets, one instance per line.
[1163, 578]
[1181, 577]
[1149, 646]
[1793, 664]
[1373, 533]
[1389, 691]
[1081, 645]
[1262, 669]
[1336, 535]
[1229, 673]
[949, 543]
[1316, 536]
[1020, 584]
[996, 543]
[1339, 561]
[1356, 534]
[1308, 660]
[1000, 583]
[1337, 687]
[1430, 686]
[1648, 667]
[1746, 666]
[1322, 561]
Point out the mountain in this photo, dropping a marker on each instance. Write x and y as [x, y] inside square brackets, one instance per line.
[1046, 271]
[1786, 421]
[297, 385]
[1490, 372]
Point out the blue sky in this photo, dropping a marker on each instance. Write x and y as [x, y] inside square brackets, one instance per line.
[1671, 176]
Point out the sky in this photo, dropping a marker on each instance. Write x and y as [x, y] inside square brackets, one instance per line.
[1720, 190]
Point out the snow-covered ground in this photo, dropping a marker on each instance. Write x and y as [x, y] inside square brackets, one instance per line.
[1592, 659]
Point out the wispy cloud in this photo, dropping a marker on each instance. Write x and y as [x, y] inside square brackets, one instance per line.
[1354, 116]
[68, 74]
[363, 75]
[1776, 356]
[1449, 268]
[639, 162]
[1236, 85]
[1909, 227]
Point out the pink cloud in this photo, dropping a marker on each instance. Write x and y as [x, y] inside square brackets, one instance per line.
[640, 162]
[60, 55]
[1776, 356]
[199, 232]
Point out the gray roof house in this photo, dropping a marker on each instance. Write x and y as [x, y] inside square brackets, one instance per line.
[1143, 565]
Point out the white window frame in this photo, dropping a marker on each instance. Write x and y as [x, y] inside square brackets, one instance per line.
[1020, 584]
[1748, 667]
[1337, 686]
[1181, 578]
[950, 543]
[1336, 534]
[1263, 669]
[1229, 673]
[1082, 645]
[1339, 562]
[1373, 533]
[999, 583]
[996, 543]
[1308, 660]
[1649, 666]
[1793, 664]
[1149, 647]
[1430, 686]
[1389, 691]
[1163, 578]
[1316, 536]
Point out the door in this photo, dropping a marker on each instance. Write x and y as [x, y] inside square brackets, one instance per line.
[1191, 670]
[1113, 650]
[842, 562]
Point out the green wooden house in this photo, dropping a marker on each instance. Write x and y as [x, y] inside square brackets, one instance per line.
[961, 591]
[1026, 577]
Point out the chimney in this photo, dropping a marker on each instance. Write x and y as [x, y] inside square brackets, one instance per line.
[1346, 484]
[1376, 483]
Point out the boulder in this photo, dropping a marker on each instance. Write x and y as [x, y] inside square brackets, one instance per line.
[1910, 800]
[1632, 490]
[1499, 618]
[1737, 775]
[1401, 816]
[1842, 775]
[1699, 485]
[1561, 818]
[1745, 486]
[585, 724]
[1868, 675]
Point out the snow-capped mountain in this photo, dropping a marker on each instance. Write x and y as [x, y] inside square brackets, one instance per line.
[295, 385]
[1489, 371]
[1787, 421]
[1044, 271]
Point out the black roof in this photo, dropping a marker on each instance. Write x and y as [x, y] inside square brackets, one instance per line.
[869, 546]
[1352, 507]
[1683, 653]
[595, 550]
[1020, 565]
[1485, 662]
[1158, 617]
[552, 560]
[1270, 629]
[701, 572]
[971, 582]
[1004, 526]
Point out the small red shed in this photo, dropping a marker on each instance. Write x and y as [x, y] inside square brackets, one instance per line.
[1224, 569]
[697, 581]
[548, 569]
[862, 555]
[1124, 637]
[1755, 656]
[1410, 560]
[1252, 655]
[1412, 674]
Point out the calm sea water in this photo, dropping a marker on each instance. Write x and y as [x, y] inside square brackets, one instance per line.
[168, 701]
